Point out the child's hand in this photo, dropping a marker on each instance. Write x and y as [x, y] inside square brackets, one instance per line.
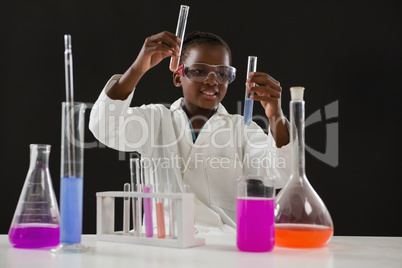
[155, 49]
[268, 93]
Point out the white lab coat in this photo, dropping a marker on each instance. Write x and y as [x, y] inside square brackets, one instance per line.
[224, 149]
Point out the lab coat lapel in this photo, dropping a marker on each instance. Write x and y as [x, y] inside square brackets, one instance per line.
[208, 129]
[214, 123]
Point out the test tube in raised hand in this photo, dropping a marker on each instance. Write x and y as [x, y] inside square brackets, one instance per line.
[126, 210]
[248, 103]
[180, 30]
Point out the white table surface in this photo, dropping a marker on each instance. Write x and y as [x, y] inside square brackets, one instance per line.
[219, 251]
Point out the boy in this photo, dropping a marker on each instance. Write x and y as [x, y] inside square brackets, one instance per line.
[208, 148]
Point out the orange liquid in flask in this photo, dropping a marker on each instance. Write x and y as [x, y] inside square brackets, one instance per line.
[302, 235]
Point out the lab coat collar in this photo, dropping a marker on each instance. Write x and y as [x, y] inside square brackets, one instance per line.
[210, 126]
[178, 104]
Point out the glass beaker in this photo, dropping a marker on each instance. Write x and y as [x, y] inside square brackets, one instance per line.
[71, 177]
[255, 213]
[36, 220]
[301, 218]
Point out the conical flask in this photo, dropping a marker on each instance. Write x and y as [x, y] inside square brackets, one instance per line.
[301, 218]
[36, 221]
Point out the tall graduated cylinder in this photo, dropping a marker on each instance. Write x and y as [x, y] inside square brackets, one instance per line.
[255, 213]
[71, 172]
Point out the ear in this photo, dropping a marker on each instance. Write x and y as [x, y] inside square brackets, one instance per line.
[177, 79]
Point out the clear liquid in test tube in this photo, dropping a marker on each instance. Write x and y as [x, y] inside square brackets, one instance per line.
[136, 186]
[180, 30]
[248, 103]
[126, 210]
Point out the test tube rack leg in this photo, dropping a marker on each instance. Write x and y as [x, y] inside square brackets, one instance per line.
[105, 229]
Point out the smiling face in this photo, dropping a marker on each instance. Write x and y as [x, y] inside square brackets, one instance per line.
[203, 97]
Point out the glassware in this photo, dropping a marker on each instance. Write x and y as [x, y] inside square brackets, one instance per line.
[180, 30]
[71, 177]
[301, 218]
[255, 213]
[126, 210]
[136, 186]
[248, 103]
[148, 174]
[36, 221]
[160, 212]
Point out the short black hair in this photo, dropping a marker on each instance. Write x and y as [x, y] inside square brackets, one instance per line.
[197, 38]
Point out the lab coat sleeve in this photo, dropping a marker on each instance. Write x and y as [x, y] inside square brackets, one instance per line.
[121, 127]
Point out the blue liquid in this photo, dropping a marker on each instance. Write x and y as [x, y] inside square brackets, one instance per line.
[248, 110]
[71, 199]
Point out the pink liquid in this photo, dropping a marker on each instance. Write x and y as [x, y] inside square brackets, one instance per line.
[34, 235]
[174, 63]
[255, 224]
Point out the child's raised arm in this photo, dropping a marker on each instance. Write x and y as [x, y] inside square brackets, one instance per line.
[268, 92]
[155, 49]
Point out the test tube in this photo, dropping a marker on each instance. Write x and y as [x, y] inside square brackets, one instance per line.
[180, 30]
[126, 210]
[147, 169]
[148, 212]
[160, 214]
[248, 103]
[171, 188]
[136, 186]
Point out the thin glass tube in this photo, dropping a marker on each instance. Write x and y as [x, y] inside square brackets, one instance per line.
[136, 186]
[180, 31]
[126, 210]
[248, 102]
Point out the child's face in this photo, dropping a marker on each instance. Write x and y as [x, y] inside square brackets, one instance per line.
[198, 94]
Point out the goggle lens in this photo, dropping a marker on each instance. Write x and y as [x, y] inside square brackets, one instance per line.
[199, 72]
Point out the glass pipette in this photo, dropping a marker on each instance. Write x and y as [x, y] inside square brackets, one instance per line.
[68, 70]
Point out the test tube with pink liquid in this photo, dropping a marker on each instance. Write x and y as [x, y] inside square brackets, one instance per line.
[148, 171]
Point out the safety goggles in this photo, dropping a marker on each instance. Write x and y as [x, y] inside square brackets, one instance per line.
[199, 72]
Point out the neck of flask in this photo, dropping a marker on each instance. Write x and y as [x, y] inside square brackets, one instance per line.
[297, 138]
[39, 155]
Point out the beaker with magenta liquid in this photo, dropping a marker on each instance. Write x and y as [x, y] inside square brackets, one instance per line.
[301, 217]
[36, 222]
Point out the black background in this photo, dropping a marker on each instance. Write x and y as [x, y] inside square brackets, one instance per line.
[345, 51]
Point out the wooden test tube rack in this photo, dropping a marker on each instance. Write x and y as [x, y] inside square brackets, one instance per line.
[105, 215]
